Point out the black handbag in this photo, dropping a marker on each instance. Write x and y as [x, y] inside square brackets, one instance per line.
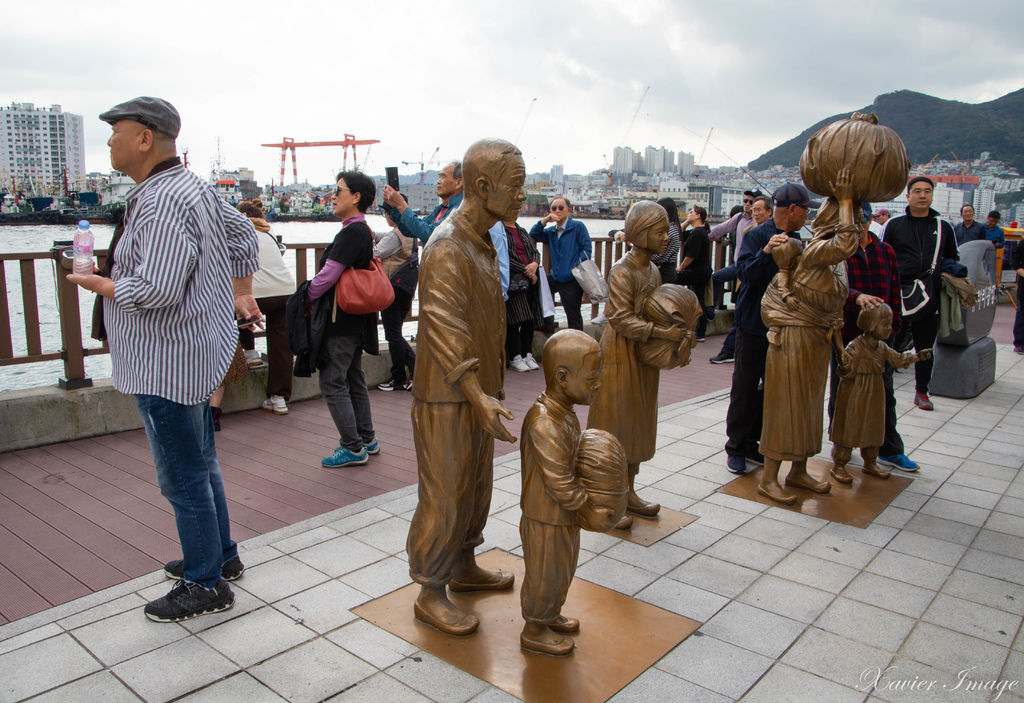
[518, 283]
[407, 275]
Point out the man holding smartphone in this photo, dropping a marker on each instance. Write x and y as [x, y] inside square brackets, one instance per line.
[449, 189]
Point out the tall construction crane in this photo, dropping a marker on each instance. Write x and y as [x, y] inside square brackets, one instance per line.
[700, 158]
[288, 144]
[423, 167]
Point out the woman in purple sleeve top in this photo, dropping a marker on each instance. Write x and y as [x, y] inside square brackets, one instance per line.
[341, 372]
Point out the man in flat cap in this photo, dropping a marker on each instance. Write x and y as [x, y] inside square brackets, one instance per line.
[181, 272]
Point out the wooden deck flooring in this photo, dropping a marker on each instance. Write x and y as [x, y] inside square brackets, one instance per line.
[81, 516]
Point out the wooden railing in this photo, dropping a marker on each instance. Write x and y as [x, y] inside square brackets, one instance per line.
[74, 330]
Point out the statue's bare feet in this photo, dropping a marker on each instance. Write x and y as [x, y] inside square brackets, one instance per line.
[774, 491]
[871, 469]
[470, 577]
[638, 506]
[802, 479]
[624, 523]
[542, 639]
[839, 473]
[434, 608]
[565, 625]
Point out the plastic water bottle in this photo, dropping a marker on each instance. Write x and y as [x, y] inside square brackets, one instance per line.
[83, 249]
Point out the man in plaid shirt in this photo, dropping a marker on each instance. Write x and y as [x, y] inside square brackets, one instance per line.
[874, 279]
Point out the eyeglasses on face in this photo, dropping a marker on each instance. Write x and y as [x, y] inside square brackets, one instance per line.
[748, 201]
[555, 208]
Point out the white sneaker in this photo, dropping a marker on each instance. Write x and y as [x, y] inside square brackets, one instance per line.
[599, 320]
[275, 404]
[519, 364]
[531, 362]
[253, 358]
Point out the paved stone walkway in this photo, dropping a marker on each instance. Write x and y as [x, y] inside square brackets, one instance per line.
[795, 608]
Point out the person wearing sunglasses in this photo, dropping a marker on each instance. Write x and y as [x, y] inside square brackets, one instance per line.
[737, 225]
[569, 242]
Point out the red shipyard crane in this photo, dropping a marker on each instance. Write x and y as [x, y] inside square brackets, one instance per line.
[288, 144]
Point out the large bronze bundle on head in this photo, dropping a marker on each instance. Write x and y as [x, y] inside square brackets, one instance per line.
[874, 154]
[668, 306]
[601, 467]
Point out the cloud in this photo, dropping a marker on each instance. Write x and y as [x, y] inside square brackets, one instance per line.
[423, 75]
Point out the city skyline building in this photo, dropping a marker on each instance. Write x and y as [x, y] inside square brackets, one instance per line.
[40, 147]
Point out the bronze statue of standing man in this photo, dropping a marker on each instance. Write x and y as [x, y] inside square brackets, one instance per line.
[457, 409]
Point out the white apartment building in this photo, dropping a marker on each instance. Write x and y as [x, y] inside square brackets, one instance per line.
[37, 146]
[686, 164]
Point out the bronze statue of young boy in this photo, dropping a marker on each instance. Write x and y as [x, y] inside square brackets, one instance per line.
[554, 500]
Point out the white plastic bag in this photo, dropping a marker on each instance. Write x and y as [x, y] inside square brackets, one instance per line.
[590, 279]
[547, 303]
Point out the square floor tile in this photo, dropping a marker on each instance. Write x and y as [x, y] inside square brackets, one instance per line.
[379, 688]
[754, 629]
[312, 672]
[890, 594]
[715, 575]
[240, 687]
[126, 635]
[324, 607]
[981, 621]
[657, 685]
[340, 555]
[172, 671]
[257, 636]
[947, 650]
[281, 577]
[849, 659]
[787, 598]
[42, 666]
[715, 665]
[811, 571]
[372, 644]
[101, 686]
[784, 683]
[866, 623]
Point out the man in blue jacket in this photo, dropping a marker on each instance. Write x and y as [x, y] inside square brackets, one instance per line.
[569, 243]
[449, 189]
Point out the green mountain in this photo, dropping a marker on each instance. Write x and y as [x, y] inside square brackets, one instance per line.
[931, 126]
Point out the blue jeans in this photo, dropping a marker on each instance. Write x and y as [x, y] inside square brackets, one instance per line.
[181, 439]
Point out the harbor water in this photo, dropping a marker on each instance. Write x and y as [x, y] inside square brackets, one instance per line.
[40, 238]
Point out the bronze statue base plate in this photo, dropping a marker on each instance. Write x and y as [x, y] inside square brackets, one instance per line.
[856, 504]
[619, 638]
[648, 530]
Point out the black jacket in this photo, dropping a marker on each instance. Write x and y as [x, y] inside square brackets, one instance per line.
[306, 332]
[913, 240]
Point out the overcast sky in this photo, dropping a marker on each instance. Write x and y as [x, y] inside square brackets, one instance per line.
[422, 75]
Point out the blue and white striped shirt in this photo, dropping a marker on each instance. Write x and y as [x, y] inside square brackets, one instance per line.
[171, 324]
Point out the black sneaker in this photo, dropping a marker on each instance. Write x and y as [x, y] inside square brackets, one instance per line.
[388, 386]
[722, 358]
[188, 600]
[230, 571]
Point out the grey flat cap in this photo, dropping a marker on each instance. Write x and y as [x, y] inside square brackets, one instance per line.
[155, 113]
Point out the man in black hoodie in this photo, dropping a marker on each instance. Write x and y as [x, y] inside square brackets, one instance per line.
[921, 240]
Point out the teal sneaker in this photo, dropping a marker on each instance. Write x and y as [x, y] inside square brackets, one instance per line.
[373, 447]
[899, 461]
[343, 456]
